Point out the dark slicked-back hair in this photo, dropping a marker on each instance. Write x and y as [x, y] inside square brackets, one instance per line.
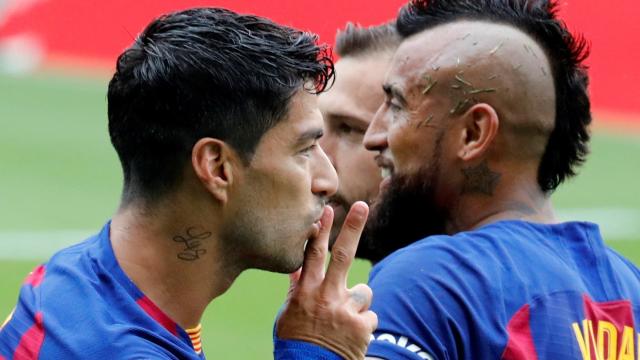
[204, 73]
[567, 147]
[355, 40]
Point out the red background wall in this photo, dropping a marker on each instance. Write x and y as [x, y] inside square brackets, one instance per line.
[97, 31]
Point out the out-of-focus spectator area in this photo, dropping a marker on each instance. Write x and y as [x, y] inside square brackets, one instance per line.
[91, 33]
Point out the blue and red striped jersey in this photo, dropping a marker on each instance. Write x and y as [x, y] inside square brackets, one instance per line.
[81, 305]
[509, 290]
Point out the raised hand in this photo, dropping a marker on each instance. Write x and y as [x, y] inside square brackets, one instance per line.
[320, 309]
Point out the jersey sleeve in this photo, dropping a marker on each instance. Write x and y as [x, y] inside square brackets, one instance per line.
[430, 302]
[294, 350]
[404, 331]
[22, 333]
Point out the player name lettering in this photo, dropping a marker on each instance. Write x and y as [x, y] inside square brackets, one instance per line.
[603, 340]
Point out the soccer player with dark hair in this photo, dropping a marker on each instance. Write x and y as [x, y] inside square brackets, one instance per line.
[348, 108]
[214, 118]
[486, 113]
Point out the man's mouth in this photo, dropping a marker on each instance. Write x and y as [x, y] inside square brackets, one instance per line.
[385, 164]
[316, 226]
[386, 170]
[315, 229]
[337, 201]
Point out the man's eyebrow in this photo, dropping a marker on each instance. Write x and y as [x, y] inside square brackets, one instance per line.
[393, 91]
[348, 118]
[312, 134]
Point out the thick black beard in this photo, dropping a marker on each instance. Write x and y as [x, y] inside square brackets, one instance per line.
[405, 213]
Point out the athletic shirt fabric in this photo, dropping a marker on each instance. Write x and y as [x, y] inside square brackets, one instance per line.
[509, 290]
[81, 305]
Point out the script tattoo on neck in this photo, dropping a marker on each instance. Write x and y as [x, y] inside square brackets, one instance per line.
[480, 179]
[192, 244]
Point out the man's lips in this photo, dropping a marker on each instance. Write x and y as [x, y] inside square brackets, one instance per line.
[337, 202]
[315, 229]
[385, 164]
[316, 226]
[386, 171]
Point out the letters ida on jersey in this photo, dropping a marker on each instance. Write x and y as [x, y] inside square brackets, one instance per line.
[607, 332]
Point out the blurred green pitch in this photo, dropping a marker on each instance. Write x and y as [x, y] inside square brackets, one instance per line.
[58, 172]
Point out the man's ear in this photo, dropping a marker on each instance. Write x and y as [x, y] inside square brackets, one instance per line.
[214, 162]
[481, 125]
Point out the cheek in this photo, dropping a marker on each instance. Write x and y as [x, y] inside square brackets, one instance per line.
[283, 183]
[367, 168]
[411, 150]
[292, 199]
[279, 220]
[401, 144]
[359, 176]
[352, 154]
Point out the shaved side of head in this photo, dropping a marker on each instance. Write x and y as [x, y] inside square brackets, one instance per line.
[471, 62]
[568, 142]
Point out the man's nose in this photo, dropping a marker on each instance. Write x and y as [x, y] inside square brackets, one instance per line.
[328, 143]
[325, 178]
[375, 139]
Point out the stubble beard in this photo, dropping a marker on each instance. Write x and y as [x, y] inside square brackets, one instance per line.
[257, 244]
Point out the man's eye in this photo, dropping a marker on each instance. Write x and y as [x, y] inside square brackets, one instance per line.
[345, 129]
[307, 151]
[392, 105]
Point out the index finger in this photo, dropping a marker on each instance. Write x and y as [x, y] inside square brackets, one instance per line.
[344, 249]
[316, 251]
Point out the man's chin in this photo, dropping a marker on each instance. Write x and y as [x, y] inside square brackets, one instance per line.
[284, 267]
[401, 215]
[384, 186]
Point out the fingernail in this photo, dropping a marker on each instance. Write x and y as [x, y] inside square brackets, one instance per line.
[324, 219]
[360, 209]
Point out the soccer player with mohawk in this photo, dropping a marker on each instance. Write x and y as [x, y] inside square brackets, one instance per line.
[486, 113]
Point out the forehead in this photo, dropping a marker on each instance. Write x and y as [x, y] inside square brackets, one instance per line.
[443, 47]
[358, 83]
[303, 117]
[358, 72]
[411, 60]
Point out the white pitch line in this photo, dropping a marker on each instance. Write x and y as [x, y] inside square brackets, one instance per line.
[38, 245]
[615, 224]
